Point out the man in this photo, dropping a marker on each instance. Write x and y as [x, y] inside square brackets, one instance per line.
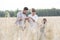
[21, 18]
[33, 24]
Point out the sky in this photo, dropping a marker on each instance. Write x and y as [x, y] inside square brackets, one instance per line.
[37, 4]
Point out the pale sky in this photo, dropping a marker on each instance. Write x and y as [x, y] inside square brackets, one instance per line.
[20, 4]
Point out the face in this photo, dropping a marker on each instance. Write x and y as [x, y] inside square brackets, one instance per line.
[33, 13]
[44, 20]
[25, 11]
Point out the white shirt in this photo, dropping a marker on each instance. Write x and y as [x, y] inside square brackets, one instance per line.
[35, 17]
[22, 16]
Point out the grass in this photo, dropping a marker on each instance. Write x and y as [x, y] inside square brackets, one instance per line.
[9, 31]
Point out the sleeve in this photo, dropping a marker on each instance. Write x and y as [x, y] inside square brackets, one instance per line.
[19, 15]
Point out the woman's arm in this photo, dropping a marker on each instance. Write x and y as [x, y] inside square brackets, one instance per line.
[32, 19]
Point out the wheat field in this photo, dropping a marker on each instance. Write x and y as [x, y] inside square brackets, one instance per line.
[9, 31]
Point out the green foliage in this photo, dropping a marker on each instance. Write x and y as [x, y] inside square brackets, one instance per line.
[7, 14]
[15, 12]
[48, 12]
[2, 14]
[40, 12]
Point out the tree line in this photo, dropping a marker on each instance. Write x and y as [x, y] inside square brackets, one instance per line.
[40, 12]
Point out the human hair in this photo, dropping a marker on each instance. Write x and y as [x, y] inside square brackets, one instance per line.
[44, 20]
[25, 8]
[33, 10]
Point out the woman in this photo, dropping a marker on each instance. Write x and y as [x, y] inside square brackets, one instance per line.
[33, 24]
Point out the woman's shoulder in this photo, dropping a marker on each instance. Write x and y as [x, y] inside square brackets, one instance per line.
[36, 15]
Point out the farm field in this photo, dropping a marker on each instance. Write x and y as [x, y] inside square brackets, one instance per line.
[9, 31]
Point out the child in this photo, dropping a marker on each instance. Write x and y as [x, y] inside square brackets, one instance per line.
[42, 30]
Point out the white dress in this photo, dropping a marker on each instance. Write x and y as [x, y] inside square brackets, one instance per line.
[33, 27]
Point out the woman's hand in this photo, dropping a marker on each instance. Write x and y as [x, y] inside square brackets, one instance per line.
[26, 18]
[32, 19]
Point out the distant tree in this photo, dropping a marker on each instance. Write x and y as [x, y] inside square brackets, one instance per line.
[7, 13]
[40, 12]
[2, 14]
[15, 12]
